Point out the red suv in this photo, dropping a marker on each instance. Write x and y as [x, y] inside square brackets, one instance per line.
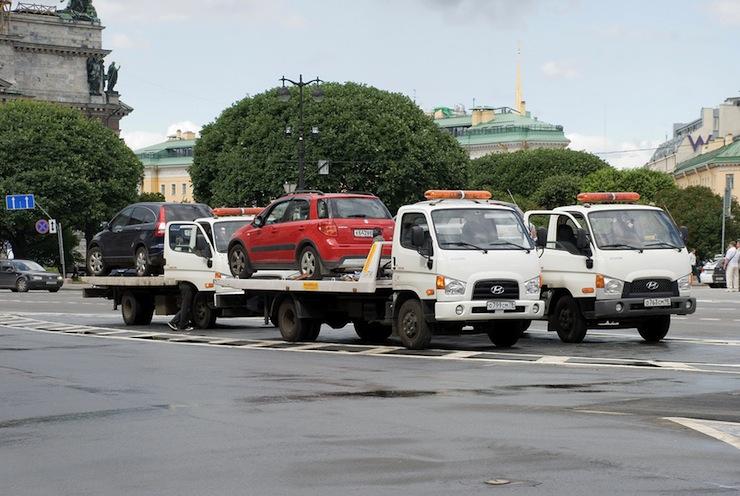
[313, 232]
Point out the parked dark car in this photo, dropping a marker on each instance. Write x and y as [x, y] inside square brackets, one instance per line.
[22, 275]
[135, 237]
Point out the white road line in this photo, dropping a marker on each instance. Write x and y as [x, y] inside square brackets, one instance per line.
[709, 318]
[461, 354]
[711, 428]
[601, 412]
[553, 359]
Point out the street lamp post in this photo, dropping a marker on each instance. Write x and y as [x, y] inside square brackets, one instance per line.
[317, 95]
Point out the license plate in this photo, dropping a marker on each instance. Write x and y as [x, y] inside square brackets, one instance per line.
[657, 302]
[51, 282]
[500, 305]
[364, 233]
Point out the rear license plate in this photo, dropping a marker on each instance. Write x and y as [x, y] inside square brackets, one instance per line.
[657, 302]
[500, 305]
[364, 233]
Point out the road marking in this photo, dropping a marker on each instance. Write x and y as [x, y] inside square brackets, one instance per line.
[712, 428]
[553, 359]
[709, 318]
[601, 412]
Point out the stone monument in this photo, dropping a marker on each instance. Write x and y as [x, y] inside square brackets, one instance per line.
[57, 56]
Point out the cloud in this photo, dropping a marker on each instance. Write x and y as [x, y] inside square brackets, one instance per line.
[503, 12]
[183, 126]
[726, 11]
[622, 155]
[121, 40]
[258, 11]
[559, 70]
[141, 139]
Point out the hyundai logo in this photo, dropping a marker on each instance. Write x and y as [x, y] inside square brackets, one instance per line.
[497, 290]
[652, 285]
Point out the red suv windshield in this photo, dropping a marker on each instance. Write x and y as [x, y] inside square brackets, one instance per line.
[359, 208]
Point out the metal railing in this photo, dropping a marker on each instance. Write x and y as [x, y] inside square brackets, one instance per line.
[36, 8]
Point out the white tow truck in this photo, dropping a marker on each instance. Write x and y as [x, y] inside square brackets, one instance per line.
[458, 259]
[195, 253]
[610, 263]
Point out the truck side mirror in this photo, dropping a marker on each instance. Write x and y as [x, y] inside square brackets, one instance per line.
[258, 222]
[541, 237]
[417, 237]
[581, 239]
[684, 233]
[202, 248]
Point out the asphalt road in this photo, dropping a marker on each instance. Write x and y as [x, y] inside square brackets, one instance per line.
[90, 406]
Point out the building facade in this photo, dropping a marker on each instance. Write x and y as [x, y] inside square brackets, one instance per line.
[712, 167]
[57, 56]
[705, 134]
[166, 167]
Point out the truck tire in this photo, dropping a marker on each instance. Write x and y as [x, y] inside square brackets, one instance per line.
[654, 329]
[294, 329]
[502, 333]
[525, 325]
[239, 262]
[412, 329]
[203, 314]
[372, 332]
[569, 323]
[136, 310]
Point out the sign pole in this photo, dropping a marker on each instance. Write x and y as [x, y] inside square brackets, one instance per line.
[61, 241]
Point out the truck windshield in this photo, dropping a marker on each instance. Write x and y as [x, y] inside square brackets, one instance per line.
[222, 232]
[480, 229]
[631, 229]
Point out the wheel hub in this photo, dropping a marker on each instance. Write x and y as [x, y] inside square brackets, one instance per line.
[410, 325]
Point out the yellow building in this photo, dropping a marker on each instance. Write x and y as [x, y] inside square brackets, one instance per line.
[712, 166]
[166, 167]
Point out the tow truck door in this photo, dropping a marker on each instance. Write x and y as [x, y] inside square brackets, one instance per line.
[186, 260]
[563, 265]
[410, 269]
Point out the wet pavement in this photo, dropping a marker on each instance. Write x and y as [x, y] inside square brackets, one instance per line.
[108, 412]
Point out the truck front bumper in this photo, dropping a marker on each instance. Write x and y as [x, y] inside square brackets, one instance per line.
[624, 308]
[447, 311]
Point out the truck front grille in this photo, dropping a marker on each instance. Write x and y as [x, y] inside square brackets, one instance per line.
[641, 288]
[484, 290]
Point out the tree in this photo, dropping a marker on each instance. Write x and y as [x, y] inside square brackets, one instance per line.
[79, 170]
[374, 141]
[151, 197]
[644, 181]
[522, 172]
[703, 218]
[556, 191]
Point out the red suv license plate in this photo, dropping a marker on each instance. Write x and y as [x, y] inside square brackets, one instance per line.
[364, 233]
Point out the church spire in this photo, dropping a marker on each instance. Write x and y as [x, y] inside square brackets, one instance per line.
[519, 103]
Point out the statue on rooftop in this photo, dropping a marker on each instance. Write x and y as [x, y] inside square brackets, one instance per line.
[80, 9]
[95, 74]
[112, 77]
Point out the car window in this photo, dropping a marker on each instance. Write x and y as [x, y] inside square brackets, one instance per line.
[185, 237]
[276, 213]
[363, 208]
[297, 211]
[323, 209]
[120, 220]
[141, 215]
[4, 266]
[186, 212]
[28, 265]
[407, 222]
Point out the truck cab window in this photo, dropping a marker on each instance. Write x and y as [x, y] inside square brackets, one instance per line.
[407, 222]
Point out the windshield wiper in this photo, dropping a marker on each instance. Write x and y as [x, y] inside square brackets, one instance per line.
[622, 245]
[509, 243]
[666, 244]
[463, 243]
[357, 216]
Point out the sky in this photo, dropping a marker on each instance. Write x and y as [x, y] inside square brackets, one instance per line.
[615, 74]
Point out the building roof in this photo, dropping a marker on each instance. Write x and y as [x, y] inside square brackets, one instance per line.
[163, 154]
[728, 154]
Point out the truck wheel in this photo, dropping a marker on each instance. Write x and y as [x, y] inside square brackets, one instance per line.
[412, 329]
[292, 328]
[372, 332]
[654, 329]
[203, 315]
[239, 262]
[141, 262]
[95, 264]
[136, 310]
[502, 333]
[309, 263]
[569, 322]
[525, 325]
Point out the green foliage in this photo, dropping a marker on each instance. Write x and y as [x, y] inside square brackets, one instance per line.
[151, 197]
[644, 181]
[699, 209]
[522, 172]
[80, 172]
[374, 140]
[556, 191]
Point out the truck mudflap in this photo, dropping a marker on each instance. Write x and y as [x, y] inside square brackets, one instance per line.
[477, 310]
[624, 308]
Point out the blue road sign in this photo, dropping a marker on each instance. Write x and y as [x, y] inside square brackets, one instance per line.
[42, 226]
[20, 202]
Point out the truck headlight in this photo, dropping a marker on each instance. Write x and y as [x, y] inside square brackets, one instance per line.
[613, 286]
[453, 287]
[532, 286]
[684, 284]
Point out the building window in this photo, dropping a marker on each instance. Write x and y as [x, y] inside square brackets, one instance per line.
[174, 189]
[184, 189]
[161, 189]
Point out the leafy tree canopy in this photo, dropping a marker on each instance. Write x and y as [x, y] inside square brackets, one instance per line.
[79, 170]
[374, 141]
[556, 191]
[644, 181]
[522, 172]
[150, 197]
[703, 219]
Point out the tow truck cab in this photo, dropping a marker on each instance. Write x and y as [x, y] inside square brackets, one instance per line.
[607, 262]
[464, 261]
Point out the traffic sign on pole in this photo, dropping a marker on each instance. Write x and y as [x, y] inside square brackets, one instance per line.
[20, 202]
[42, 226]
[52, 226]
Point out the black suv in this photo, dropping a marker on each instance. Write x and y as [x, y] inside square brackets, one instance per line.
[135, 237]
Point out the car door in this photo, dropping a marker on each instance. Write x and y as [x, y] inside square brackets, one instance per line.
[132, 234]
[410, 269]
[260, 242]
[7, 274]
[112, 239]
[291, 231]
[185, 260]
